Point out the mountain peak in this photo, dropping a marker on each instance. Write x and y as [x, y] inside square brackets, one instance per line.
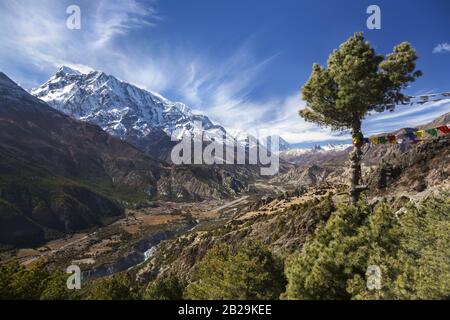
[120, 108]
[11, 90]
[283, 145]
[65, 70]
[79, 70]
[5, 81]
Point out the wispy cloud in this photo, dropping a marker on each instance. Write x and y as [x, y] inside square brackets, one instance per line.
[34, 33]
[405, 116]
[278, 116]
[223, 88]
[114, 18]
[442, 48]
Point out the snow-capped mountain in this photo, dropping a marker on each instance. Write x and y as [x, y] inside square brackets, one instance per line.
[244, 138]
[283, 145]
[335, 147]
[316, 149]
[316, 154]
[120, 108]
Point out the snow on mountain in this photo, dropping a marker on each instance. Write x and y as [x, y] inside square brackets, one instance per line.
[248, 139]
[131, 113]
[244, 138]
[120, 108]
[283, 145]
[316, 149]
[335, 147]
[67, 70]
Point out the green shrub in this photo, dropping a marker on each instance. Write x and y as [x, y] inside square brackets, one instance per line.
[16, 283]
[116, 287]
[167, 287]
[247, 271]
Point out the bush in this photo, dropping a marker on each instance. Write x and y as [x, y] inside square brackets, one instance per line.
[247, 271]
[116, 287]
[425, 251]
[56, 287]
[16, 282]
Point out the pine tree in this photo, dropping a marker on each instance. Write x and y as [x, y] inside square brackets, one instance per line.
[167, 287]
[117, 287]
[355, 82]
[248, 271]
[412, 250]
[18, 282]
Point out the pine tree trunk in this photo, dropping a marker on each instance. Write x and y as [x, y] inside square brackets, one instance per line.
[355, 163]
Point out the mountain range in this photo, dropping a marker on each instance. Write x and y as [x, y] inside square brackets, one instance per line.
[145, 119]
[300, 156]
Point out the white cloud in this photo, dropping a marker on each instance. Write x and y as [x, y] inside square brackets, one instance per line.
[114, 18]
[442, 48]
[287, 123]
[275, 116]
[405, 116]
[224, 90]
[34, 33]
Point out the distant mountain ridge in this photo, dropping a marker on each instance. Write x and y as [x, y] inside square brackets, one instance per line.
[316, 154]
[143, 118]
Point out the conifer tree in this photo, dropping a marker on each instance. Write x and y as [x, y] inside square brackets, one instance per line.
[248, 271]
[167, 287]
[355, 82]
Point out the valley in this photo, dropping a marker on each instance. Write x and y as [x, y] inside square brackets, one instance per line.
[132, 240]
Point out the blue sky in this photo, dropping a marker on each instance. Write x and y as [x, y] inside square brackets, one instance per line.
[242, 63]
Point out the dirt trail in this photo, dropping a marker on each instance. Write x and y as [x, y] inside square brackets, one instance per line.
[232, 203]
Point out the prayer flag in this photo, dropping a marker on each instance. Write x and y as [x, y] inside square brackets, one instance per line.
[420, 134]
[411, 136]
[444, 129]
[432, 132]
[392, 139]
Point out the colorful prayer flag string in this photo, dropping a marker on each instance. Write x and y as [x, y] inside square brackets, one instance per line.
[413, 137]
